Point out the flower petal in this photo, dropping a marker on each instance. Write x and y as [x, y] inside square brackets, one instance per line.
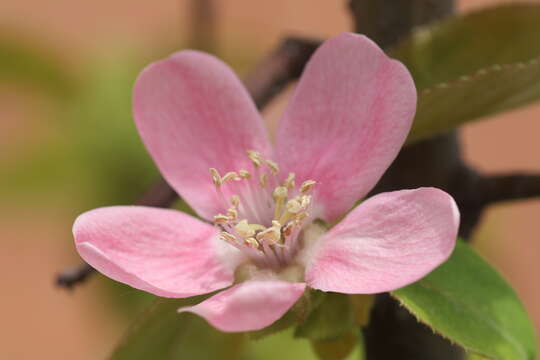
[387, 242]
[251, 305]
[193, 114]
[164, 252]
[347, 120]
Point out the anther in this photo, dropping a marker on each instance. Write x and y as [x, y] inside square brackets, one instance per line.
[221, 219]
[231, 175]
[294, 206]
[255, 158]
[244, 230]
[232, 213]
[271, 235]
[305, 201]
[307, 186]
[289, 182]
[227, 237]
[244, 174]
[263, 180]
[274, 168]
[280, 192]
[216, 178]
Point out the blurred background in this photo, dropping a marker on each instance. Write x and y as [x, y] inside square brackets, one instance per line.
[67, 144]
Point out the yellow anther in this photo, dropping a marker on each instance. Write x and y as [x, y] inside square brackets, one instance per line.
[255, 158]
[263, 180]
[307, 186]
[272, 235]
[289, 182]
[244, 174]
[247, 230]
[294, 206]
[221, 219]
[232, 213]
[231, 175]
[280, 192]
[243, 229]
[305, 201]
[216, 178]
[252, 243]
[274, 168]
[235, 200]
[227, 237]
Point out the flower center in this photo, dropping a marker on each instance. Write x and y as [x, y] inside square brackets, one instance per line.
[264, 218]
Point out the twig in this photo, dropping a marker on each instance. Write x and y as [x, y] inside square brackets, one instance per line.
[70, 277]
[507, 187]
[270, 76]
[282, 66]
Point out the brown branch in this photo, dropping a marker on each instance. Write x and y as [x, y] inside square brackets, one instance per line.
[507, 187]
[268, 78]
[203, 29]
[282, 66]
[68, 278]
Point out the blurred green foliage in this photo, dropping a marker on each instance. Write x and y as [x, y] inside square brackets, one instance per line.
[27, 61]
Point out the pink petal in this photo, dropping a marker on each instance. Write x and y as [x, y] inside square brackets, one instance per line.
[193, 113]
[164, 252]
[387, 242]
[347, 120]
[251, 305]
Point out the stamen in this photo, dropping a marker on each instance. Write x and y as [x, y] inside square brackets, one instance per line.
[255, 158]
[244, 174]
[307, 186]
[253, 197]
[244, 230]
[271, 235]
[305, 201]
[231, 175]
[294, 206]
[227, 237]
[263, 180]
[289, 182]
[232, 213]
[221, 219]
[274, 168]
[216, 179]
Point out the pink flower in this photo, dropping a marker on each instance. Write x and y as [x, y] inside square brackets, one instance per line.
[345, 124]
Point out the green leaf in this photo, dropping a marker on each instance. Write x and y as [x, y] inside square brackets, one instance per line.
[161, 333]
[472, 66]
[486, 93]
[468, 302]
